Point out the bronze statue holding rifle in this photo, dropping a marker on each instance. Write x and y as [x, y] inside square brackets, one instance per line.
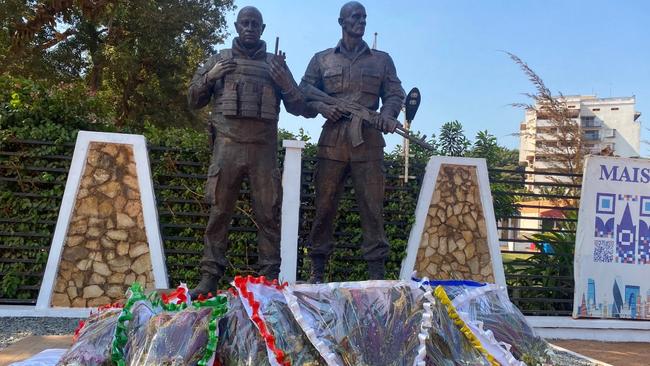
[245, 85]
[345, 84]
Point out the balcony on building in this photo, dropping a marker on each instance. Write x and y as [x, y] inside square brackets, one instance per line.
[590, 122]
[591, 136]
[546, 114]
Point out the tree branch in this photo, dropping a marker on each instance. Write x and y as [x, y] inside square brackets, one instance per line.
[58, 37]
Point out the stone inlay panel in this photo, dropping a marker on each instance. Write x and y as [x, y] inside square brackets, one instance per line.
[454, 243]
[105, 248]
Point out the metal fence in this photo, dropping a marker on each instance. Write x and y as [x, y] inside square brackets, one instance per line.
[33, 176]
[538, 242]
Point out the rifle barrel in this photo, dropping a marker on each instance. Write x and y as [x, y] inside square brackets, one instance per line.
[405, 134]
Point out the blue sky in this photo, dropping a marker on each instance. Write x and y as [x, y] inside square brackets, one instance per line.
[450, 50]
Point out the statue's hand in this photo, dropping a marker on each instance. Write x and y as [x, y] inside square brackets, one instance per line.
[388, 124]
[280, 73]
[331, 112]
[220, 69]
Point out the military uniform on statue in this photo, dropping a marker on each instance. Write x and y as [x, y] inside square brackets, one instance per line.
[245, 84]
[352, 71]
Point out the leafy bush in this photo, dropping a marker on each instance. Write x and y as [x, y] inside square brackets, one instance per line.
[549, 272]
[36, 174]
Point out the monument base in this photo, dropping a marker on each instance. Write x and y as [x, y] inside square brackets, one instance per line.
[605, 330]
[33, 311]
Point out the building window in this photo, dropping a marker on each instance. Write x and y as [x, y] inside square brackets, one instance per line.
[595, 109]
[592, 135]
[610, 132]
[614, 108]
[546, 130]
[589, 121]
[546, 143]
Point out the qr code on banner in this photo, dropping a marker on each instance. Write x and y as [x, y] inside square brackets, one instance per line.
[603, 251]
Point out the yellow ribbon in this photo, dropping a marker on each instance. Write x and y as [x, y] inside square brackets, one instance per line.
[453, 314]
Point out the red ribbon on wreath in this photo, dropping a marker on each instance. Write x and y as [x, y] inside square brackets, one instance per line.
[242, 284]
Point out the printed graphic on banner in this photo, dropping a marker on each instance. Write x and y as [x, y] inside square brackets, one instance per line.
[625, 238]
[604, 227]
[644, 243]
[612, 258]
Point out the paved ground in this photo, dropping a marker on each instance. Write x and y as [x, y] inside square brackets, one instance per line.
[32, 345]
[617, 354]
[13, 329]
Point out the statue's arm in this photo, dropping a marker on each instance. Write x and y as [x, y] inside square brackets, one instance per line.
[293, 98]
[200, 90]
[392, 94]
[313, 77]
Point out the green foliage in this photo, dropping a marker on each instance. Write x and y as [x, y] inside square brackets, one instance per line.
[29, 109]
[549, 272]
[485, 146]
[452, 140]
[137, 55]
[179, 159]
[9, 284]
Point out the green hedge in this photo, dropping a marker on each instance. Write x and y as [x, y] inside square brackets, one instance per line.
[179, 158]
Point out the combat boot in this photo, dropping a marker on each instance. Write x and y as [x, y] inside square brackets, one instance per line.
[317, 274]
[208, 283]
[376, 270]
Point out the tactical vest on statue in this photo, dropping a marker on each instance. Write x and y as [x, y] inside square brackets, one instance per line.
[249, 91]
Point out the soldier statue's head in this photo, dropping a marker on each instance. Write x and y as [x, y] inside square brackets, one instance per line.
[352, 19]
[249, 26]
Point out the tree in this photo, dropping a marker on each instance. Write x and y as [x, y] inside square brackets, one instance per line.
[139, 55]
[452, 140]
[486, 147]
[558, 134]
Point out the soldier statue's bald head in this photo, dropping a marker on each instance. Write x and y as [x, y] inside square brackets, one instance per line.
[352, 19]
[252, 10]
[249, 26]
[347, 7]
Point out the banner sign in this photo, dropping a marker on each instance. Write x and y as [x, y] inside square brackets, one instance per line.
[612, 254]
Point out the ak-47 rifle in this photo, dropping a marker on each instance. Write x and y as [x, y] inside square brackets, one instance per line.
[359, 115]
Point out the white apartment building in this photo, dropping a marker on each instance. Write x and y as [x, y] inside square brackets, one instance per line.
[605, 122]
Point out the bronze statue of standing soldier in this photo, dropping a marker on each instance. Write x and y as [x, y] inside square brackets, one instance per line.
[245, 85]
[342, 83]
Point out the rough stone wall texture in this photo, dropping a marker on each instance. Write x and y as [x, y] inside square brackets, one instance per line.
[454, 243]
[105, 248]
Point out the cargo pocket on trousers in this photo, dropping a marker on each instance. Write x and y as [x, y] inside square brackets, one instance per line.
[211, 185]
